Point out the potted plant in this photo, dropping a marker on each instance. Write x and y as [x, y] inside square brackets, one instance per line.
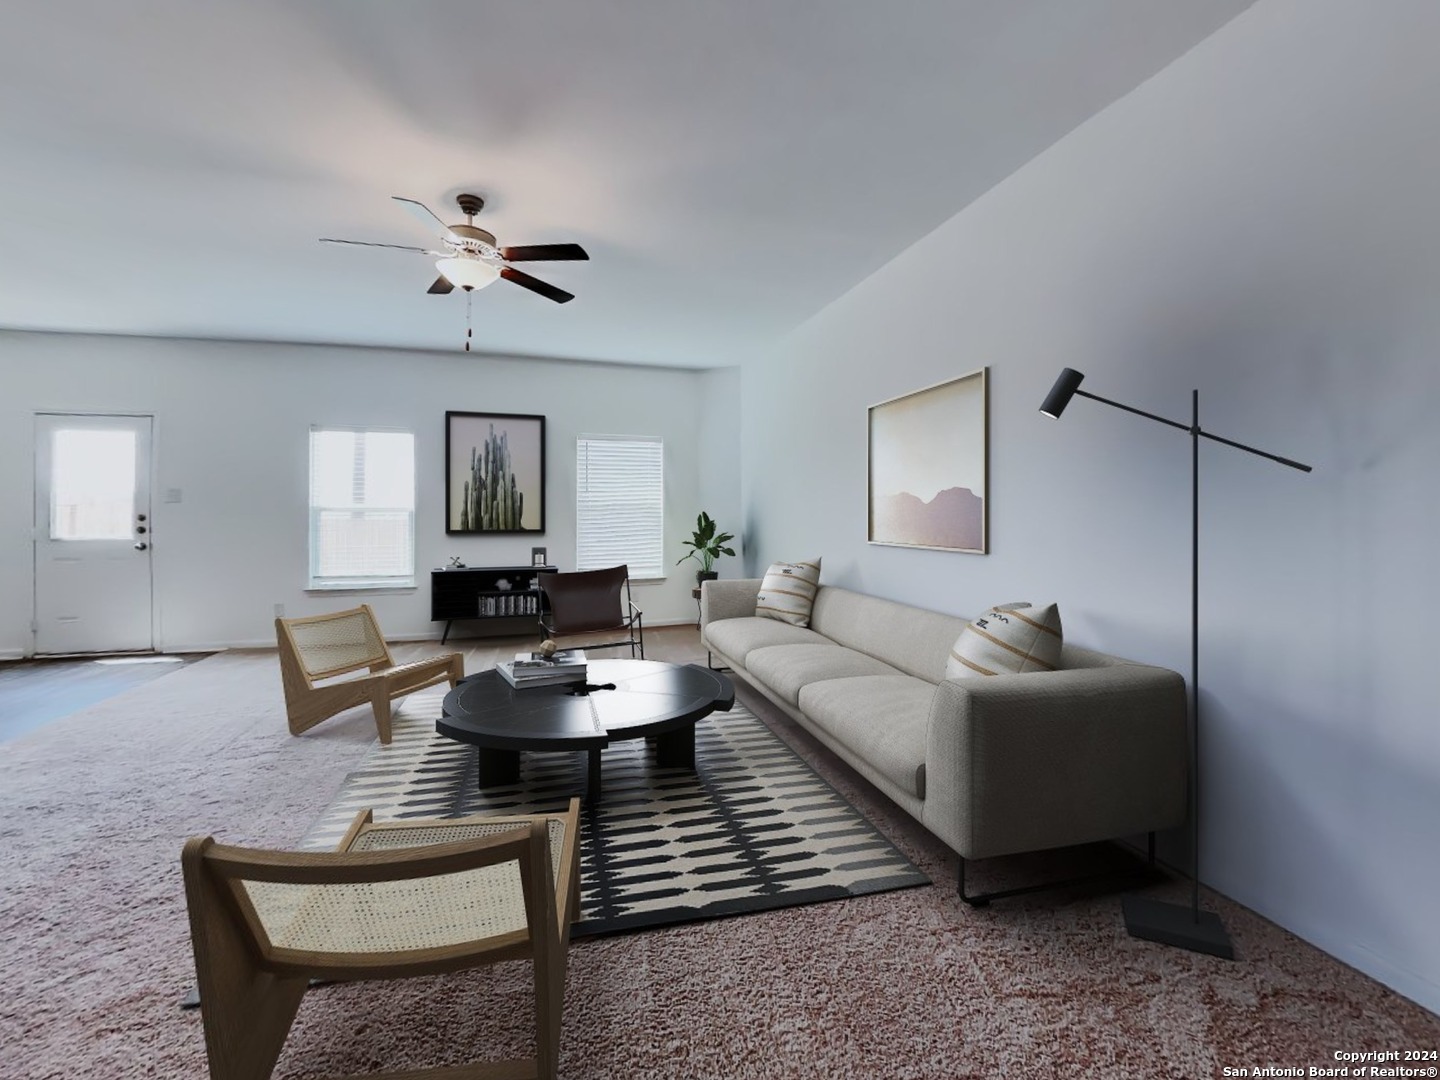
[706, 545]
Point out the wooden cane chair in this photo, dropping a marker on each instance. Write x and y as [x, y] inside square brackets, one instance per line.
[589, 603]
[324, 646]
[395, 900]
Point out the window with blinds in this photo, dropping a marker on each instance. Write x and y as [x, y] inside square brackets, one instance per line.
[362, 509]
[620, 503]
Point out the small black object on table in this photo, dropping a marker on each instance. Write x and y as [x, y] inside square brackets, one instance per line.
[619, 699]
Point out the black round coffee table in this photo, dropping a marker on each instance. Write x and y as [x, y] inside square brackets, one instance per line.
[648, 699]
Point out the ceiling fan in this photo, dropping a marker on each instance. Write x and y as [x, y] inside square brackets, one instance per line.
[470, 257]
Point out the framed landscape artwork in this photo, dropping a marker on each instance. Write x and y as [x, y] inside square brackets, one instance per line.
[929, 466]
[494, 473]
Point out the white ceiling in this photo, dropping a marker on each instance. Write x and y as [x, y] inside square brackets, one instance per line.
[732, 166]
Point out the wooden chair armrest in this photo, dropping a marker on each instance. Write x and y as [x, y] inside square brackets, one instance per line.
[365, 867]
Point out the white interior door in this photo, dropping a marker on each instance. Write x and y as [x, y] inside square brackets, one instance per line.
[92, 533]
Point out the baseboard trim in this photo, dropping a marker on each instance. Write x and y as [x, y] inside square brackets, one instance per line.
[1410, 984]
[269, 642]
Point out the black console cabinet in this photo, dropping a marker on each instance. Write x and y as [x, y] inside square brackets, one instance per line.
[505, 599]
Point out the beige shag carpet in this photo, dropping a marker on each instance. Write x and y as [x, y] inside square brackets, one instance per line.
[909, 985]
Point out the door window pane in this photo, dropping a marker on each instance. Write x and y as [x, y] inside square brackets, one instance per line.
[92, 485]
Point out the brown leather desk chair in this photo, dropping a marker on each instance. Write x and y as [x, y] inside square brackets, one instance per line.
[593, 602]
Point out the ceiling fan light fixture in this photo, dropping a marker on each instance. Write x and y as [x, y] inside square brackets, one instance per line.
[467, 273]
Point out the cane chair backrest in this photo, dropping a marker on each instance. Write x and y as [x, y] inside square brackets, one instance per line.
[333, 644]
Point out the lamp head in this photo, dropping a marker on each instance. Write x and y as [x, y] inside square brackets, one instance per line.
[1061, 393]
[468, 271]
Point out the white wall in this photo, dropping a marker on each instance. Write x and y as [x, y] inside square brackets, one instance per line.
[232, 423]
[1257, 221]
[720, 463]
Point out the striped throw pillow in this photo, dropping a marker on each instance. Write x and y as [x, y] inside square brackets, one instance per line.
[1007, 640]
[788, 591]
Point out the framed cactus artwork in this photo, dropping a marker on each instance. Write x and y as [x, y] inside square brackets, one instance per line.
[494, 473]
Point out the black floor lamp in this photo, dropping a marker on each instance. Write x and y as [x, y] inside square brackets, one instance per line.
[1154, 920]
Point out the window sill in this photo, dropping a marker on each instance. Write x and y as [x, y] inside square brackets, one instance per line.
[634, 580]
[360, 587]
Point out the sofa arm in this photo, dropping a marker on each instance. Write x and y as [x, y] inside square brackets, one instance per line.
[1049, 759]
[730, 599]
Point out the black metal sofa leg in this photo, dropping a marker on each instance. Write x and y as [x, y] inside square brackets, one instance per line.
[983, 899]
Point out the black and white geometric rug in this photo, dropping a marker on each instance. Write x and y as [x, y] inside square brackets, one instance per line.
[754, 828]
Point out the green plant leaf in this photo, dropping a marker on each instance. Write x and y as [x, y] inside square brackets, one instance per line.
[707, 543]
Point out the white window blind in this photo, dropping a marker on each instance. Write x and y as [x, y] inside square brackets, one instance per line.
[362, 509]
[620, 503]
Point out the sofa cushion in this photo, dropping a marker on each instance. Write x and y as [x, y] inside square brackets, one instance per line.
[882, 719]
[737, 638]
[787, 592]
[917, 642]
[1008, 641]
[787, 668]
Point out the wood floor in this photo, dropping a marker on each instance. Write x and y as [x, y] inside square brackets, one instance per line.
[35, 692]
[673, 644]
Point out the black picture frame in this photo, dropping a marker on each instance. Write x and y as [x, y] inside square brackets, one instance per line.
[501, 452]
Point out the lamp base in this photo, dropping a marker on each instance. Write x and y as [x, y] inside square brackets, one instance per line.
[1176, 924]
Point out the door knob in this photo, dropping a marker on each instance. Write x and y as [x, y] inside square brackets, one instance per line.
[141, 546]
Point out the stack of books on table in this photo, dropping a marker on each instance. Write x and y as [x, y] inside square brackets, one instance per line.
[532, 669]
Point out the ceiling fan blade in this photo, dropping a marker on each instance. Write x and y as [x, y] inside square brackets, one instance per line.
[543, 252]
[525, 281]
[366, 243]
[424, 214]
[441, 287]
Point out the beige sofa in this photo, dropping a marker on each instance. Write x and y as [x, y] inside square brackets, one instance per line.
[992, 765]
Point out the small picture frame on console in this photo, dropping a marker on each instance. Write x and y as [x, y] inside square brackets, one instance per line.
[537, 556]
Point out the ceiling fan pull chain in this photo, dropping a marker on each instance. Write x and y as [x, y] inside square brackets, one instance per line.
[468, 296]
